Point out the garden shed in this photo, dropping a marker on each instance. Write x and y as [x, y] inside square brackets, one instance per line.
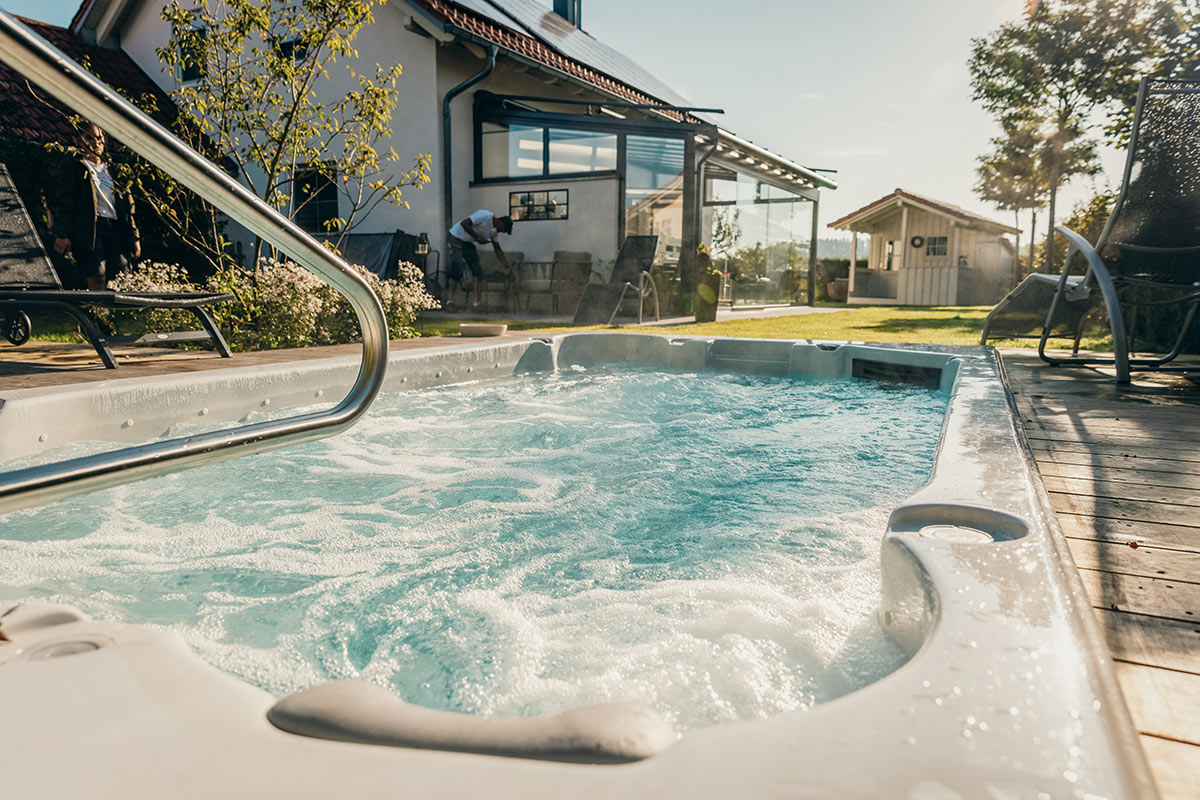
[924, 252]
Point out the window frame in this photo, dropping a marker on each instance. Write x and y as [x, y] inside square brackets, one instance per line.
[935, 243]
[513, 206]
[198, 53]
[497, 114]
[330, 184]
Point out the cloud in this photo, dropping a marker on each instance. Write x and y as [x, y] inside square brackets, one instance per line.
[814, 96]
[865, 152]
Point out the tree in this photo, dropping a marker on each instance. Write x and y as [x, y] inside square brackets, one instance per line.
[247, 75]
[1011, 176]
[1066, 62]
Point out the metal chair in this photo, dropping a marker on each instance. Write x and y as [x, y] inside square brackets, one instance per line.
[1148, 255]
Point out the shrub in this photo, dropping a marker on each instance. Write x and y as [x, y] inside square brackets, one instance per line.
[283, 305]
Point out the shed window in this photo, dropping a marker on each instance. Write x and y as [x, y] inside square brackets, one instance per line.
[935, 246]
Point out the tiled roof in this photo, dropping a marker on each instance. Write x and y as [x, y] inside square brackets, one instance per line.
[536, 50]
[30, 114]
[945, 208]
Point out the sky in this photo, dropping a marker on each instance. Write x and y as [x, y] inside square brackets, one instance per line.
[875, 89]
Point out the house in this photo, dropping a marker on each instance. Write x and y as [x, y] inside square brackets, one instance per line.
[925, 252]
[526, 114]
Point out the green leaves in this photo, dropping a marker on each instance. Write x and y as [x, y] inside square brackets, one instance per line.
[271, 102]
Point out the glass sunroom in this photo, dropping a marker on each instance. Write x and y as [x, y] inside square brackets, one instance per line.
[585, 181]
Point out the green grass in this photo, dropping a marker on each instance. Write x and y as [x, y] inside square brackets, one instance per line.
[958, 325]
[910, 324]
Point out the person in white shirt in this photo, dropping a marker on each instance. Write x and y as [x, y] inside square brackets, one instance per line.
[92, 219]
[482, 227]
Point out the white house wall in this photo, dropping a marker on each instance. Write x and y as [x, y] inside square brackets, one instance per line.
[415, 121]
[594, 203]
[590, 226]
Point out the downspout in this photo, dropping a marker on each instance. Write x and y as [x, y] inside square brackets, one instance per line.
[447, 186]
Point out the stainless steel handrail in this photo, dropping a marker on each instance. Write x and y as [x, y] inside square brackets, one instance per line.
[46, 66]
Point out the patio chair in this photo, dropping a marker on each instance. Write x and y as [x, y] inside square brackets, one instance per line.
[571, 273]
[28, 281]
[1146, 259]
[496, 279]
[600, 303]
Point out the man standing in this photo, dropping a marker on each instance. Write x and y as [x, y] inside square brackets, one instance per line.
[92, 220]
[482, 227]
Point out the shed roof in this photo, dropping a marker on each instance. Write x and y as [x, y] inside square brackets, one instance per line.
[888, 202]
[32, 115]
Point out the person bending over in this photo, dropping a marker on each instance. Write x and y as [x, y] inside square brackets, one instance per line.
[482, 227]
[93, 220]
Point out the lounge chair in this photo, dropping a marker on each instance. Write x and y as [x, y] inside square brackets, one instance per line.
[600, 303]
[1148, 255]
[28, 282]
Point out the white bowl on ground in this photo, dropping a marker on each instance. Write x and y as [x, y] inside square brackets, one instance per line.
[482, 329]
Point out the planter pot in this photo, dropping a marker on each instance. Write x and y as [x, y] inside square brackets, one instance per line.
[707, 292]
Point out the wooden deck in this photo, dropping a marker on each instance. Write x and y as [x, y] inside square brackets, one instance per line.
[1122, 467]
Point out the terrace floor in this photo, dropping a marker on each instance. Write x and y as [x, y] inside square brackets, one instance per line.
[1121, 466]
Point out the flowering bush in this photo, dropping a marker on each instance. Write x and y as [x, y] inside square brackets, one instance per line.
[284, 305]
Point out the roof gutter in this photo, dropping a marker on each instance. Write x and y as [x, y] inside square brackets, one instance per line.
[447, 184]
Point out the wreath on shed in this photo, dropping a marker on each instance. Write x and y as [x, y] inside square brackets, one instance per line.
[917, 241]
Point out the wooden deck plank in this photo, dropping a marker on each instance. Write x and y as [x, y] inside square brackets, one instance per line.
[1175, 765]
[1082, 505]
[1149, 426]
[1148, 561]
[1154, 534]
[1044, 452]
[1125, 475]
[1140, 594]
[1123, 490]
[1162, 701]
[1187, 452]
[1151, 641]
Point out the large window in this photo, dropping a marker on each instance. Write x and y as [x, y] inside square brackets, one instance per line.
[581, 151]
[512, 150]
[654, 192]
[314, 200]
[759, 234]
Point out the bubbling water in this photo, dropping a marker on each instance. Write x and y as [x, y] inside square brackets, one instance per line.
[704, 544]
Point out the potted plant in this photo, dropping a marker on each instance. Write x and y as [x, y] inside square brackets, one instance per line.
[708, 286]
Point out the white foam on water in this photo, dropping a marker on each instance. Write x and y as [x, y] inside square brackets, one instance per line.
[707, 545]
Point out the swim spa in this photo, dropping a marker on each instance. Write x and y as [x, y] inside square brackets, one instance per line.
[1005, 691]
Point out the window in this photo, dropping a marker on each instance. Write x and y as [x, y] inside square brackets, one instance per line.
[192, 56]
[581, 151]
[512, 150]
[314, 200]
[935, 246]
[295, 49]
[538, 205]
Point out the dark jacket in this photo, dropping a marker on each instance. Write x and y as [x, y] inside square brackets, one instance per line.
[73, 207]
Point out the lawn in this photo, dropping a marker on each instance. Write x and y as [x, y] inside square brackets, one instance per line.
[909, 324]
